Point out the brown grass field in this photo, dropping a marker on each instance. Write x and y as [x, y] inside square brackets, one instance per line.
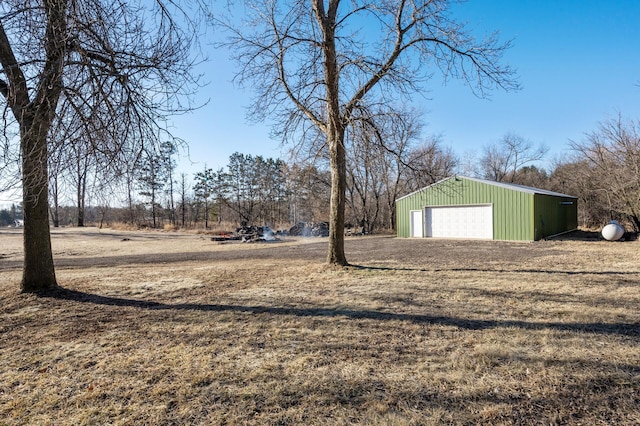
[173, 328]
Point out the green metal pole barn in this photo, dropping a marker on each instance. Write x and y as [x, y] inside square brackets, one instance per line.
[462, 207]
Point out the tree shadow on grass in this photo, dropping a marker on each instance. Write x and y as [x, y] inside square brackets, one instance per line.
[628, 329]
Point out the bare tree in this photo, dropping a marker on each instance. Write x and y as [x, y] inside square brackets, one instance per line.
[398, 131]
[112, 63]
[612, 169]
[183, 199]
[532, 176]
[314, 64]
[383, 158]
[501, 161]
[576, 176]
[129, 175]
[365, 176]
[56, 184]
[428, 163]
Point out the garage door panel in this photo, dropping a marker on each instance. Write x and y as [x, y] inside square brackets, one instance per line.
[475, 221]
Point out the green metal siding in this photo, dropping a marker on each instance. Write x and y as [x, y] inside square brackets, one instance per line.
[554, 215]
[513, 211]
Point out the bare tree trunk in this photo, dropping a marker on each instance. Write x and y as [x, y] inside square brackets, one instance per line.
[154, 212]
[183, 195]
[38, 273]
[132, 218]
[334, 131]
[55, 212]
[111, 59]
[173, 218]
[206, 213]
[336, 255]
[81, 192]
[35, 117]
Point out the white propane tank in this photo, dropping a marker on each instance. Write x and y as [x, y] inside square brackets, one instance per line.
[613, 231]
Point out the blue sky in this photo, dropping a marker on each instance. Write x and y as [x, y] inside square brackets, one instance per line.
[578, 63]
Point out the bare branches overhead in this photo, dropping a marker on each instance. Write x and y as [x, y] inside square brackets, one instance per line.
[104, 74]
[319, 64]
[383, 49]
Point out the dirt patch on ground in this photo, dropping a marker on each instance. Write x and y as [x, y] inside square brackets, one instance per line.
[170, 328]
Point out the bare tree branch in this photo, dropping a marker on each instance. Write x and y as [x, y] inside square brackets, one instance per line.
[101, 76]
[321, 63]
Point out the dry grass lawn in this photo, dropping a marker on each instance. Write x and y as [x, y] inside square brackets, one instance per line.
[169, 328]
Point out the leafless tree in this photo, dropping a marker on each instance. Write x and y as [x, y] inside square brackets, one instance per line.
[501, 161]
[120, 66]
[365, 184]
[183, 199]
[533, 176]
[575, 176]
[401, 133]
[385, 159]
[314, 64]
[430, 162]
[612, 157]
[309, 189]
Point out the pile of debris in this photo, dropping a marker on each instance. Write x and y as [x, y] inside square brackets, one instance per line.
[250, 234]
[247, 234]
[354, 230]
[310, 229]
[256, 233]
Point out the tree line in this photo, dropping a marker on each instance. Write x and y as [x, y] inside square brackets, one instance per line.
[602, 171]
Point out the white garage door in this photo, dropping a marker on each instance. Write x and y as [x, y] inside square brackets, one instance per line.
[460, 221]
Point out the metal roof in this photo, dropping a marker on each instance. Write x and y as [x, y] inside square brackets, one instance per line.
[522, 188]
[512, 186]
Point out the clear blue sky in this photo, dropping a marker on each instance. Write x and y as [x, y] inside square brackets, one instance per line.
[578, 62]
